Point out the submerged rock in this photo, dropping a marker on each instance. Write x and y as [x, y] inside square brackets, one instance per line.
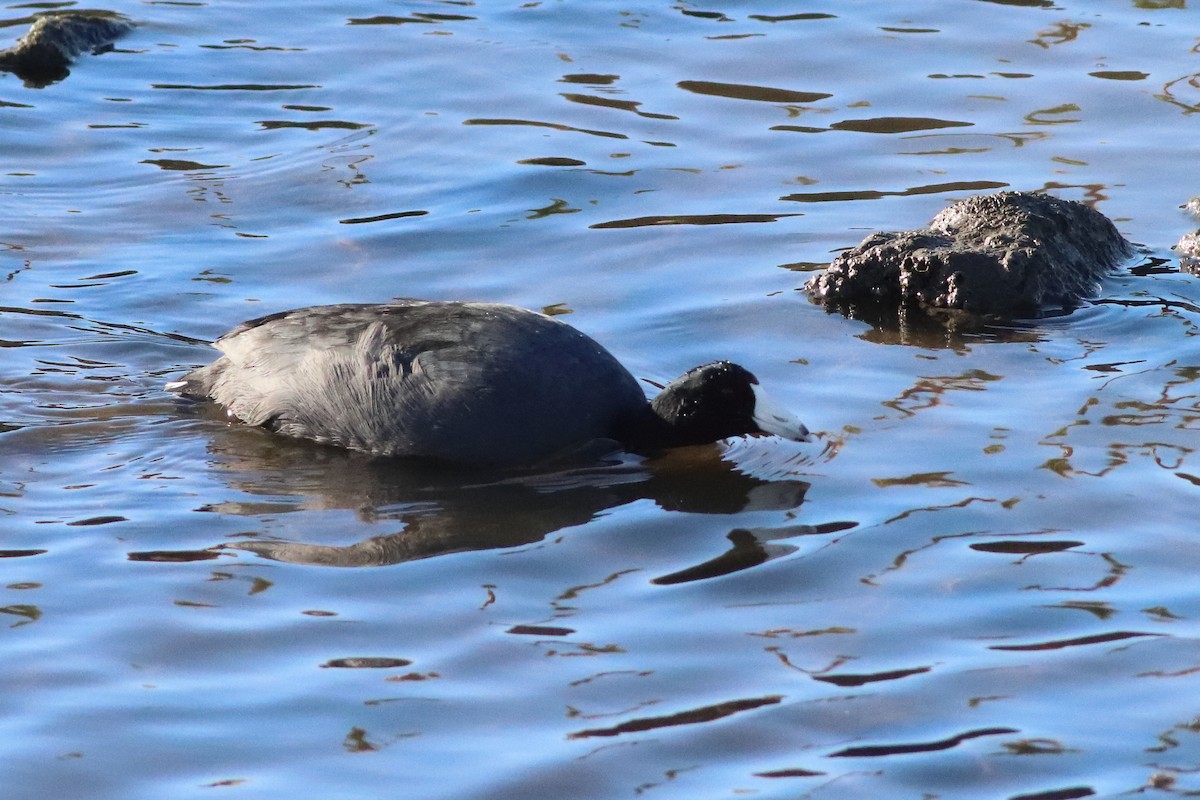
[1003, 254]
[43, 55]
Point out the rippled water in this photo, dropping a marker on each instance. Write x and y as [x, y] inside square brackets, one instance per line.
[978, 583]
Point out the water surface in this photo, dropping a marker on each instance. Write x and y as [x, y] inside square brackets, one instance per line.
[979, 582]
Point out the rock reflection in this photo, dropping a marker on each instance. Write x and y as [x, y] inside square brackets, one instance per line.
[943, 144]
[1081, 641]
[930, 330]
[1171, 739]
[418, 18]
[690, 717]
[750, 549]
[366, 662]
[590, 78]
[446, 510]
[1054, 115]
[1025, 548]
[854, 680]
[25, 613]
[1021, 544]
[897, 124]
[690, 219]
[792, 17]
[608, 102]
[875, 751]
[356, 742]
[539, 124]
[539, 630]
[762, 94]
[928, 392]
[876, 194]
[1070, 793]
[1060, 33]
[1182, 92]
[789, 773]
[174, 556]
[11, 553]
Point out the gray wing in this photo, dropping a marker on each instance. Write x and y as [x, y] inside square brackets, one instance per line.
[267, 360]
[457, 381]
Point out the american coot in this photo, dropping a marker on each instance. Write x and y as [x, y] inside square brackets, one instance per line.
[474, 383]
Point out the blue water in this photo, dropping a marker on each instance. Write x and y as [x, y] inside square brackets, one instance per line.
[978, 582]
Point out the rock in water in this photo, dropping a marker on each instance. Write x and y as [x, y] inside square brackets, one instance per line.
[43, 55]
[1188, 246]
[1002, 254]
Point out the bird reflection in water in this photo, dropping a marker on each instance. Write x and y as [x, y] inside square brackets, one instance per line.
[447, 510]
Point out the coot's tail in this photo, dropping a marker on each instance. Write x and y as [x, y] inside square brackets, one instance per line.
[198, 383]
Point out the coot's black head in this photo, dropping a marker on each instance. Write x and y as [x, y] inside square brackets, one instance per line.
[719, 400]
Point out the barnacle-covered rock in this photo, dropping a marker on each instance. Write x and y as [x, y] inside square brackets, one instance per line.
[43, 55]
[1005, 254]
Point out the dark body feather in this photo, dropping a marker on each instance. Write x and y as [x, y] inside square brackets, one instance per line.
[464, 382]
